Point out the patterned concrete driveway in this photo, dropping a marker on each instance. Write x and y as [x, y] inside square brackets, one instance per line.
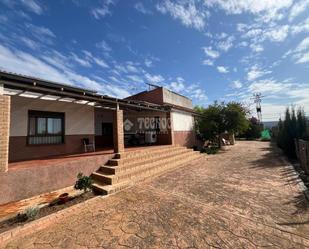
[245, 197]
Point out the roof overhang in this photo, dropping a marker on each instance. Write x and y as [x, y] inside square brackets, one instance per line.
[38, 88]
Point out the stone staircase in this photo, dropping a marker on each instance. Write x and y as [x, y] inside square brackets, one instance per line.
[135, 166]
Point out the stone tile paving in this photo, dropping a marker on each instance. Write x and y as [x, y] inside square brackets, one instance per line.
[246, 197]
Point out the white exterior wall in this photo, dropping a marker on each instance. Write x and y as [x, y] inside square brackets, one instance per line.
[182, 121]
[79, 119]
[176, 99]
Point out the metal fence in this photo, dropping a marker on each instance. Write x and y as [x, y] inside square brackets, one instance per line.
[302, 152]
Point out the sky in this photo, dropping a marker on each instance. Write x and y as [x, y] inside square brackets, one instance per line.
[208, 50]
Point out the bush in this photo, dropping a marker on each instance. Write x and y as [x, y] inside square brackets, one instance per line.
[29, 214]
[210, 150]
[83, 182]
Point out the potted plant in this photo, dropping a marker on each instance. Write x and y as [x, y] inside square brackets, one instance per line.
[63, 198]
[83, 182]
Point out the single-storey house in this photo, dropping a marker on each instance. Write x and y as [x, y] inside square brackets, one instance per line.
[43, 122]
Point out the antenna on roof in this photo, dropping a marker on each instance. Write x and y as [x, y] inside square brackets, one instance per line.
[152, 86]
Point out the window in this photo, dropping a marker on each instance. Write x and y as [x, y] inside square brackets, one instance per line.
[45, 127]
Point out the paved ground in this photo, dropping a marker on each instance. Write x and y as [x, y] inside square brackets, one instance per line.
[245, 197]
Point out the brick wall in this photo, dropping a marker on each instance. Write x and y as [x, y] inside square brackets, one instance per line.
[5, 104]
[118, 132]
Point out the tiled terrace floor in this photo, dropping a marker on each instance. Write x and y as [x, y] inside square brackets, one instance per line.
[246, 197]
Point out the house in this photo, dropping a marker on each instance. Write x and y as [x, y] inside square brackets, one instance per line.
[43, 122]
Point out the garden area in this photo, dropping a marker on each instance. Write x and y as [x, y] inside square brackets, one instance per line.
[50, 205]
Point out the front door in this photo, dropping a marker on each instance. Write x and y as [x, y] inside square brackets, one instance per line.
[106, 139]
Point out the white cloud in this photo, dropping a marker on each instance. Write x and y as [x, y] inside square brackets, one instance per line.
[236, 84]
[256, 48]
[252, 33]
[208, 62]
[210, 52]
[132, 69]
[177, 86]
[277, 34]
[227, 44]
[154, 79]
[195, 92]
[104, 46]
[33, 6]
[267, 9]
[255, 72]
[268, 86]
[301, 53]
[148, 63]
[42, 34]
[80, 61]
[29, 43]
[303, 45]
[24, 63]
[304, 58]
[89, 57]
[243, 44]
[222, 69]
[100, 62]
[300, 27]
[135, 78]
[186, 11]
[141, 8]
[103, 10]
[298, 8]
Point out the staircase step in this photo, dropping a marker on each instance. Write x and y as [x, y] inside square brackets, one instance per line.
[140, 169]
[112, 169]
[147, 151]
[140, 156]
[109, 189]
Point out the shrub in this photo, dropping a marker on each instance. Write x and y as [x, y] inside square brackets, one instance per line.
[83, 182]
[210, 150]
[31, 212]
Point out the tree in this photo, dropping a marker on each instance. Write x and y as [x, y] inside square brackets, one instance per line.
[236, 117]
[294, 126]
[219, 118]
[254, 130]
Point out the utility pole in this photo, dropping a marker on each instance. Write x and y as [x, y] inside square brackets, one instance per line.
[257, 100]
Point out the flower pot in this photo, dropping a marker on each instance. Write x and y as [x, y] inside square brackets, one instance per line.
[63, 198]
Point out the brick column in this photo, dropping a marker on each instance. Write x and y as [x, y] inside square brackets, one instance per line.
[5, 105]
[170, 129]
[118, 131]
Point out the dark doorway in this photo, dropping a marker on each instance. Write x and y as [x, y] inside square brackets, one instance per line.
[106, 139]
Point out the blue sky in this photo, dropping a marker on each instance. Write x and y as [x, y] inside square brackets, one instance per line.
[205, 49]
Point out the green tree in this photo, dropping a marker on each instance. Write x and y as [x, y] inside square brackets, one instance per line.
[219, 118]
[254, 130]
[294, 126]
[236, 117]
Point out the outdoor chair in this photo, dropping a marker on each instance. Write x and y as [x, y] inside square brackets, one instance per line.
[88, 146]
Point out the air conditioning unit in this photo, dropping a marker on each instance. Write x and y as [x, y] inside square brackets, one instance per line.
[150, 137]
